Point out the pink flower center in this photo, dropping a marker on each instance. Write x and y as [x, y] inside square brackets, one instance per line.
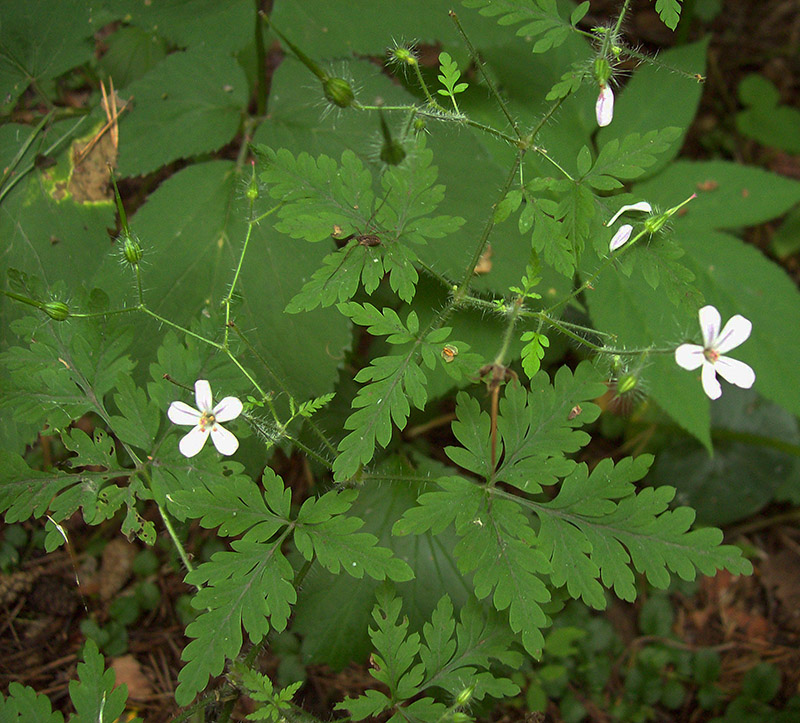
[711, 354]
[207, 419]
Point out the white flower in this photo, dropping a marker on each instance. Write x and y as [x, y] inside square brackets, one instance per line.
[206, 421]
[624, 232]
[716, 343]
[620, 237]
[604, 108]
[638, 206]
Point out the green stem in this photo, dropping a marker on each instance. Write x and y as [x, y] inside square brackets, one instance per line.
[463, 287]
[489, 82]
[261, 62]
[23, 148]
[176, 540]
[26, 300]
[513, 317]
[424, 87]
[315, 428]
[229, 295]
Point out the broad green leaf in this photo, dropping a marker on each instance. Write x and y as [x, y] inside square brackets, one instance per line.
[192, 23]
[752, 443]
[25, 705]
[190, 103]
[139, 420]
[94, 696]
[729, 195]
[193, 227]
[131, 53]
[764, 120]
[39, 41]
[323, 595]
[657, 96]
[639, 317]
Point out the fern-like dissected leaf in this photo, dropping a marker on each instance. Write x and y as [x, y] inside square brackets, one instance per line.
[94, 696]
[658, 263]
[539, 18]
[629, 159]
[27, 493]
[496, 544]
[337, 200]
[249, 586]
[24, 705]
[65, 372]
[317, 194]
[537, 428]
[597, 526]
[454, 656]
[394, 380]
[323, 531]
[669, 11]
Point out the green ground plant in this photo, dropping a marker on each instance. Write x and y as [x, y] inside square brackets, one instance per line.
[329, 251]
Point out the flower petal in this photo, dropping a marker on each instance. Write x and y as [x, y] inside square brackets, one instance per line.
[180, 413]
[640, 206]
[709, 325]
[604, 108]
[229, 408]
[710, 384]
[193, 442]
[735, 332]
[225, 442]
[202, 394]
[689, 356]
[620, 237]
[736, 372]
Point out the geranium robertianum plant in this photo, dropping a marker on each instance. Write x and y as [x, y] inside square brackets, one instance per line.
[454, 217]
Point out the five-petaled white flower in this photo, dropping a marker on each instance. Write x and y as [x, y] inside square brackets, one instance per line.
[716, 343]
[604, 108]
[206, 421]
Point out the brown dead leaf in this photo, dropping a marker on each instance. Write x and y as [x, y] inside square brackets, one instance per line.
[115, 568]
[128, 671]
[781, 572]
[484, 265]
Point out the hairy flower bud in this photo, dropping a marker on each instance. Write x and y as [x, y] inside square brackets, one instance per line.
[132, 250]
[392, 151]
[339, 92]
[57, 310]
[602, 71]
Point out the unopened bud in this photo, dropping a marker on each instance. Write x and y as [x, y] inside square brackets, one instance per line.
[465, 696]
[392, 152]
[403, 55]
[57, 310]
[602, 71]
[419, 125]
[626, 383]
[131, 250]
[655, 223]
[339, 92]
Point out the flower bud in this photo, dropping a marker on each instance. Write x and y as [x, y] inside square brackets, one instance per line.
[626, 383]
[338, 91]
[402, 55]
[392, 151]
[465, 696]
[655, 223]
[252, 187]
[602, 71]
[131, 250]
[57, 310]
[419, 125]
